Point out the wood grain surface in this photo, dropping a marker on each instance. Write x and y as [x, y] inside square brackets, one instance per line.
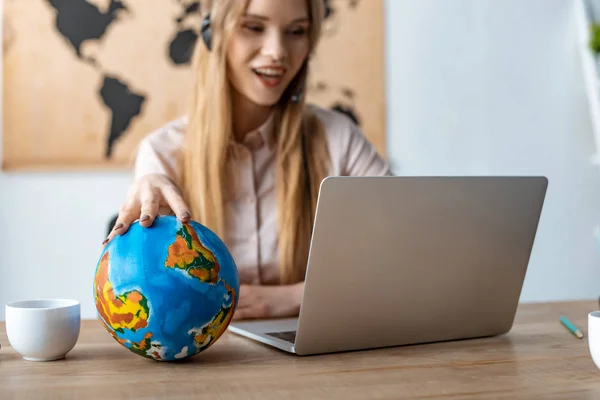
[537, 359]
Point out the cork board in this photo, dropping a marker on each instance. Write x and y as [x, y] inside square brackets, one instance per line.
[85, 80]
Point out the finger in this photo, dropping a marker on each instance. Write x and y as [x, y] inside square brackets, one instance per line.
[246, 303]
[128, 213]
[150, 199]
[126, 218]
[245, 297]
[244, 313]
[255, 311]
[238, 315]
[175, 200]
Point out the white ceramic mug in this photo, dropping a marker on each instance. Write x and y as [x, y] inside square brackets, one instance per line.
[594, 336]
[43, 330]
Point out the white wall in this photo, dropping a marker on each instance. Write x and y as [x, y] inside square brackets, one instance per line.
[51, 229]
[475, 87]
[495, 87]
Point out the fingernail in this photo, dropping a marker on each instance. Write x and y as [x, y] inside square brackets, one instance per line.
[145, 217]
[105, 241]
[118, 226]
[185, 215]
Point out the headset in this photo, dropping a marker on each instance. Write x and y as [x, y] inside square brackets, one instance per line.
[206, 32]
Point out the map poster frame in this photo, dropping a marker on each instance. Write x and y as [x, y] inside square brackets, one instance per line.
[85, 80]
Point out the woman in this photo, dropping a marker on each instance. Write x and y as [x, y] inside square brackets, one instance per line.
[249, 159]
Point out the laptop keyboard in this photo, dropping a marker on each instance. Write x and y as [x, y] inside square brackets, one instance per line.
[289, 336]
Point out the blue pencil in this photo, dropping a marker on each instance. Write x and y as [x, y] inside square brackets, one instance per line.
[572, 328]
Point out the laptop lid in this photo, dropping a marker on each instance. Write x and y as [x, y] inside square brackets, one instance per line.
[405, 260]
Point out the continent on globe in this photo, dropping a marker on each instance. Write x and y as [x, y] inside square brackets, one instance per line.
[142, 347]
[182, 45]
[78, 21]
[211, 331]
[128, 310]
[146, 347]
[123, 104]
[189, 254]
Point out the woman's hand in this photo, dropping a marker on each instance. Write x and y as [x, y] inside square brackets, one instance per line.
[269, 301]
[149, 196]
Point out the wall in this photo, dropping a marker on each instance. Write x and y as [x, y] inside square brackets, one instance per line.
[495, 87]
[474, 87]
[51, 229]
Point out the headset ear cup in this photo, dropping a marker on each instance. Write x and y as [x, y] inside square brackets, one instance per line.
[206, 32]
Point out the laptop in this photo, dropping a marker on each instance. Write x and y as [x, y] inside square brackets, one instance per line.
[409, 260]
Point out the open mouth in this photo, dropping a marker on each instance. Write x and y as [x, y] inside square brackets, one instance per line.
[270, 76]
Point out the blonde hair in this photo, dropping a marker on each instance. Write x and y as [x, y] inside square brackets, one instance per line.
[301, 156]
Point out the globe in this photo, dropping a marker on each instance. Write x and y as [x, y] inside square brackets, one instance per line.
[166, 292]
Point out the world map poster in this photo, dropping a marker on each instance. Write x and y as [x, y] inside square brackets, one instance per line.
[85, 80]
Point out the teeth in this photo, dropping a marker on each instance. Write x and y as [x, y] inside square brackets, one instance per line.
[269, 71]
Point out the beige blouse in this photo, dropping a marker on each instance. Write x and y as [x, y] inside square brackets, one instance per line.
[251, 220]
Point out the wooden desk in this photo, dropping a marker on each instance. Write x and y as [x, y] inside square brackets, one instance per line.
[538, 359]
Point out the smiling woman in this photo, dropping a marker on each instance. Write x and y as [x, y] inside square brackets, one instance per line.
[248, 160]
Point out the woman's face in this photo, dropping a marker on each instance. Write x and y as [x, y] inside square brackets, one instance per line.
[267, 48]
